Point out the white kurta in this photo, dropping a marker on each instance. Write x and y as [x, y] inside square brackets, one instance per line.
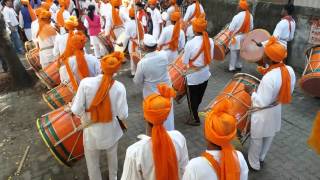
[138, 164]
[235, 25]
[156, 22]
[190, 11]
[283, 33]
[101, 135]
[109, 24]
[165, 37]
[266, 123]
[60, 44]
[200, 169]
[46, 51]
[34, 31]
[152, 70]
[190, 51]
[93, 66]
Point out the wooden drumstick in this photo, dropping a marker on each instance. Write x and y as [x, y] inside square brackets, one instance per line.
[257, 43]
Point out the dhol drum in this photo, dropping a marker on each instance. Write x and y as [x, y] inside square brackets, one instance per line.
[33, 59]
[221, 44]
[29, 45]
[235, 92]
[310, 80]
[50, 76]
[106, 41]
[177, 72]
[58, 96]
[249, 50]
[62, 133]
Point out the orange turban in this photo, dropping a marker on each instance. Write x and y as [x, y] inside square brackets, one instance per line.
[314, 139]
[116, 20]
[71, 23]
[174, 42]
[38, 11]
[220, 129]
[45, 6]
[243, 4]
[175, 16]
[199, 24]
[173, 2]
[152, 2]
[131, 13]
[45, 29]
[274, 50]
[78, 41]
[115, 3]
[100, 107]
[156, 108]
[30, 10]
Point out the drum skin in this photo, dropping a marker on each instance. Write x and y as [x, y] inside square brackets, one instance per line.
[177, 72]
[249, 50]
[58, 96]
[221, 44]
[59, 124]
[50, 75]
[33, 59]
[310, 80]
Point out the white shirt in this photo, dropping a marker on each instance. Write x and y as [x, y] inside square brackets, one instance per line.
[60, 44]
[282, 31]
[200, 169]
[156, 21]
[10, 16]
[235, 26]
[152, 70]
[109, 24]
[190, 11]
[93, 66]
[267, 122]
[138, 164]
[190, 51]
[131, 33]
[101, 135]
[165, 37]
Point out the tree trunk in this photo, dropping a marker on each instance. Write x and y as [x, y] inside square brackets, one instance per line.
[19, 75]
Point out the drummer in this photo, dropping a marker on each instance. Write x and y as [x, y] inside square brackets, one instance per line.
[172, 38]
[274, 89]
[152, 70]
[156, 18]
[193, 11]
[99, 107]
[198, 60]
[241, 24]
[173, 7]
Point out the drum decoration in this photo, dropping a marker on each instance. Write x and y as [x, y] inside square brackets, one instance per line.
[33, 59]
[58, 96]
[310, 80]
[221, 44]
[235, 92]
[249, 50]
[50, 76]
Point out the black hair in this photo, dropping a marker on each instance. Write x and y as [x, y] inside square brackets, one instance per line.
[289, 8]
[91, 9]
[139, 4]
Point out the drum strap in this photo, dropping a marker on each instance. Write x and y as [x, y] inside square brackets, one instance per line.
[213, 163]
[194, 58]
[46, 48]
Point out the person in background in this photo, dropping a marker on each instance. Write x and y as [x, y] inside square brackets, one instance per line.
[62, 15]
[173, 7]
[10, 18]
[142, 15]
[93, 24]
[35, 26]
[104, 11]
[26, 17]
[155, 17]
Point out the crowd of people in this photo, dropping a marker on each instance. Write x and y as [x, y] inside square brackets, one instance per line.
[156, 35]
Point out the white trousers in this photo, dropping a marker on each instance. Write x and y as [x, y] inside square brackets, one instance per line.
[93, 162]
[133, 66]
[98, 47]
[28, 34]
[235, 61]
[258, 150]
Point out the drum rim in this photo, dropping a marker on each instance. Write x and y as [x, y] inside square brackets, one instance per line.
[248, 75]
[51, 106]
[226, 50]
[305, 78]
[307, 51]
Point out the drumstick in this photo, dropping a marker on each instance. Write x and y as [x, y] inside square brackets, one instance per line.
[258, 44]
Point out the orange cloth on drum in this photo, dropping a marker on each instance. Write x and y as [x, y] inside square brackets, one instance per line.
[45, 29]
[199, 25]
[156, 108]
[116, 20]
[71, 23]
[116, 3]
[243, 4]
[221, 128]
[30, 10]
[152, 2]
[314, 138]
[100, 107]
[174, 42]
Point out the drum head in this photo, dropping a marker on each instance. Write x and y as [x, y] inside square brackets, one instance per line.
[310, 84]
[249, 50]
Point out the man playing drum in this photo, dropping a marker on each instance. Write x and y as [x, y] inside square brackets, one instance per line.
[197, 55]
[218, 161]
[193, 11]
[152, 70]
[241, 24]
[99, 102]
[173, 7]
[274, 89]
[172, 38]
[162, 155]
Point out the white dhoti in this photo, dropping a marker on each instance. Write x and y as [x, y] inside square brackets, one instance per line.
[258, 150]
[98, 47]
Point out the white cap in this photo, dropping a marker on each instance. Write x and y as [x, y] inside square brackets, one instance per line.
[149, 40]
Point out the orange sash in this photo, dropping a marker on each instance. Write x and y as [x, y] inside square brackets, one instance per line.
[213, 163]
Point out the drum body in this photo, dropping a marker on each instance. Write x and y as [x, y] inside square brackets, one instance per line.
[310, 80]
[177, 71]
[221, 44]
[33, 59]
[249, 50]
[58, 96]
[61, 133]
[106, 41]
[240, 99]
[29, 45]
[50, 75]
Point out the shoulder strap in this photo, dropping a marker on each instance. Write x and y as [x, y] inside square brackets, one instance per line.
[213, 163]
[197, 55]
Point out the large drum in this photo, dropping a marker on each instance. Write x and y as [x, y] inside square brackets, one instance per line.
[29, 45]
[62, 133]
[177, 71]
[249, 50]
[58, 96]
[106, 41]
[50, 76]
[221, 44]
[33, 59]
[240, 99]
[310, 80]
